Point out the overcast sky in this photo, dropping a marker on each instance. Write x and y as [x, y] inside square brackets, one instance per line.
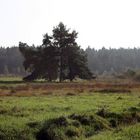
[109, 23]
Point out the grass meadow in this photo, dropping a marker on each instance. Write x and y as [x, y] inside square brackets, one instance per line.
[89, 110]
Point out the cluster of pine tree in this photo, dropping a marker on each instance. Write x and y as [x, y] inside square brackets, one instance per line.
[59, 57]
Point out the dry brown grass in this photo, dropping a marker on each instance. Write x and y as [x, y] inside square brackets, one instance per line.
[37, 89]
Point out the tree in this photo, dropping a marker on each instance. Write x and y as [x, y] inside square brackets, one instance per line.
[32, 62]
[76, 63]
[72, 60]
[61, 41]
[40, 61]
[58, 57]
[50, 58]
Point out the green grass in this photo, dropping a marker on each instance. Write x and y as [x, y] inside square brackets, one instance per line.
[10, 78]
[127, 133]
[16, 113]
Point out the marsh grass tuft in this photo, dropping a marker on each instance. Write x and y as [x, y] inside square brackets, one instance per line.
[75, 125]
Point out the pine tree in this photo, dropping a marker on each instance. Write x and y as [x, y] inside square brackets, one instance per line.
[58, 57]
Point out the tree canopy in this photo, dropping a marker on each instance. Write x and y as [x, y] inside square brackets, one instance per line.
[59, 56]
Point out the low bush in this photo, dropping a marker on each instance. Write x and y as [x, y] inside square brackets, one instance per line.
[130, 116]
[73, 126]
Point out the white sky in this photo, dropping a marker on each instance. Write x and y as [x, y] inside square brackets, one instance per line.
[109, 23]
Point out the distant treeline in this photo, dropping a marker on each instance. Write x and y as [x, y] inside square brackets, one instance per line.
[11, 61]
[99, 61]
[113, 60]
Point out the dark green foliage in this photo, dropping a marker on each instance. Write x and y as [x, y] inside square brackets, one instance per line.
[39, 61]
[72, 59]
[49, 59]
[58, 57]
[32, 62]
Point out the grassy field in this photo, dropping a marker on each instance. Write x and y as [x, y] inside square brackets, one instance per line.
[95, 110]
